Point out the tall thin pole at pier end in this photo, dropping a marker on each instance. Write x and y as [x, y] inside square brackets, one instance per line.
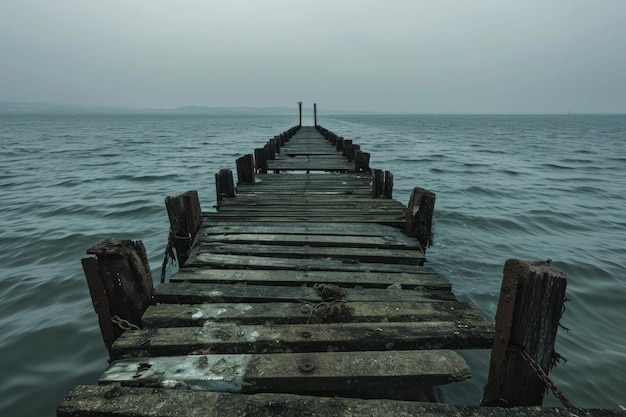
[314, 114]
[300, 109]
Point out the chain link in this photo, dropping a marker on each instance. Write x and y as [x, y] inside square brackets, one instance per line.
[547, 381]
[123, 324]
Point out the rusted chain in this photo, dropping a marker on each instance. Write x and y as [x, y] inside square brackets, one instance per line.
[124, 324]
[547, 381]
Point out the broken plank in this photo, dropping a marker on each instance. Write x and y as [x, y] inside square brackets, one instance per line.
[299, 373]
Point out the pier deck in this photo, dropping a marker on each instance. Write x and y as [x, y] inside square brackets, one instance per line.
[299, 289]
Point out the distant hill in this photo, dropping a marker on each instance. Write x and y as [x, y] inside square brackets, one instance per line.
[11, 107]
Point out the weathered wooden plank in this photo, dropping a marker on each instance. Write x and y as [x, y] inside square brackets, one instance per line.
[424, 278]
[298, 373]
[327, 337]
[312, 240]
[354, 254]
[337, 201]
[388, 219]
[113, 400]
[329, 228]
[215, 260]
[309, 165]
[183, 292]
[317, 210]
[314, 208]
[362, 202]
[176, 315]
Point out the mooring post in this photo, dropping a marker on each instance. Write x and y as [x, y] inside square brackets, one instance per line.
[378, 183]
[361, 161]
[300, 110]
[185, 217]
[224, 184]
[120, 285]
[348, 149]
[418, 220]
[315, 114]
[527, 319]
[260, 160]
[388, 185]
[245, 169]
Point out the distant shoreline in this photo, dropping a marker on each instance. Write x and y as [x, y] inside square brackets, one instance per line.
[27, 108]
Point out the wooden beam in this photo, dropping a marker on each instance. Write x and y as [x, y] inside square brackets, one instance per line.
[245, 169]
[222, 338]
[419, 216]
[527, 319]
[312, 373]
[185, 216]
[120, 284]
[122, 401]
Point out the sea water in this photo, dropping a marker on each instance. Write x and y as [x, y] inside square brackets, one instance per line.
[520, 186]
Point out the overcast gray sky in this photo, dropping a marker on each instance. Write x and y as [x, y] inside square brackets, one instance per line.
[423, 56]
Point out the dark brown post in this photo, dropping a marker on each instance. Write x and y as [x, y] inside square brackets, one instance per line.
[314, 114]
[388, 184]
[361, 161]
[120, 284]
[260, 160]
[224, 184]
[245, 169]
[347, 149]
[270, 150]
[527, 319]
[300, 109]
[185, 220]
[378, 183]
[339, 143]
[418, 220]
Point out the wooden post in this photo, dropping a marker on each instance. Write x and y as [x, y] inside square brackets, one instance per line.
[527, 319]
[300, 110]
[361, 161]
[378, 183]
[260, 160]
[347, 149]
[120, 284]
[388, 184]
[419, 217]
[270, 151]
[224, 184]
[185, 217]
[245, 169]
[339, 143]
[314, 114]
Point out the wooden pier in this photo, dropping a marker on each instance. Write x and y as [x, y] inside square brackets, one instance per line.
[305, 293]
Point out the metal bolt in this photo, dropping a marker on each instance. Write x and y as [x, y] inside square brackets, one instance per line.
[307, 366]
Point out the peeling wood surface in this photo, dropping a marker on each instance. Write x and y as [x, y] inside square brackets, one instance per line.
[289, 372]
